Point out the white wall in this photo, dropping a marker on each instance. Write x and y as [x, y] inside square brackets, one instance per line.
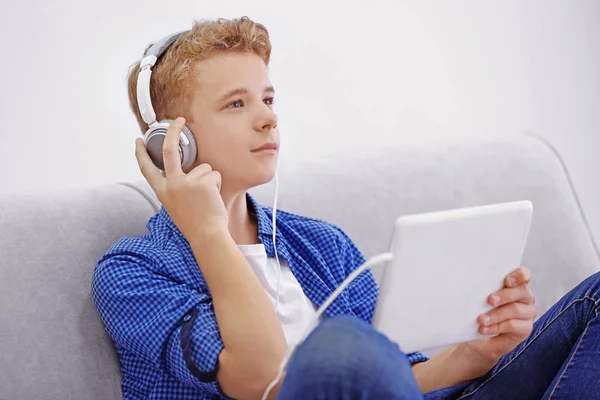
[346, 72]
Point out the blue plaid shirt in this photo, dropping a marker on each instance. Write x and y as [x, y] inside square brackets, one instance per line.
[157, 308]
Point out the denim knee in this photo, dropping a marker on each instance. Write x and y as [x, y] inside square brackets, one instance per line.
[349, 354]
[591, 286]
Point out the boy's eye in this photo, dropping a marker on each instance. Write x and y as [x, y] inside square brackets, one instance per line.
[236, 104]
[269, 101]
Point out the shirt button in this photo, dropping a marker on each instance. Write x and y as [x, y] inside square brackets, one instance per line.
[187, 318]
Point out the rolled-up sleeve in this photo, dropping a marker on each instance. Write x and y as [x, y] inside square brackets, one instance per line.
[163, 322]
[363, 291]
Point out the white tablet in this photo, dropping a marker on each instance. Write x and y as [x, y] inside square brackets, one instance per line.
[445, 265]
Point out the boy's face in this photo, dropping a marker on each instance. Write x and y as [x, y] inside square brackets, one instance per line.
[233, 115]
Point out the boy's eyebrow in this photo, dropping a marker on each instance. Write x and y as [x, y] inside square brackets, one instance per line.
[242, 90]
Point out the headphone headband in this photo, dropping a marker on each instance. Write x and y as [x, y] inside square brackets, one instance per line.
[159, 47]
[156, 50]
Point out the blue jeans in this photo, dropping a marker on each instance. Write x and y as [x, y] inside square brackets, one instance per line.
[345, 358]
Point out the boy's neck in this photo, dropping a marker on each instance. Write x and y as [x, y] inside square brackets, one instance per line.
[242, 227]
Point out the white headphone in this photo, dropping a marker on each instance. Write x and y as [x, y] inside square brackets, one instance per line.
[157, 131]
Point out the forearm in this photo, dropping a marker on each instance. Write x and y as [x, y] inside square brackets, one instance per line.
[252, 335]
[452, 366]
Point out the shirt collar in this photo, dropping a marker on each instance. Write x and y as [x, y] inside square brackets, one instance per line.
[265, 224]
[265, 228]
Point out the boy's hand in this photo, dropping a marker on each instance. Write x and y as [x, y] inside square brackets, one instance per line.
[512, 318]
[192, 200]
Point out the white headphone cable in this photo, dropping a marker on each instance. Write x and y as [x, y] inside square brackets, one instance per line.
[275, 197]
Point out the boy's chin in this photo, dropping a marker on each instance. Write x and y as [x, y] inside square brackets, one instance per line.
[263, 178]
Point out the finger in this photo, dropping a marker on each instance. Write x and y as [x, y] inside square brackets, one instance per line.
[200, 170]
[506, 312]
[515, 327]
[520, 293]
[518, 277]
[147, 167]
[171, 157]
[502, 344]
[215, 178]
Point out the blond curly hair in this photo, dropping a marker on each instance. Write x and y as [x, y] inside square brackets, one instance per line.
[173, 80]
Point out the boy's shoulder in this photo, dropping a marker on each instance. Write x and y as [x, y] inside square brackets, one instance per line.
[311, 228]
[314, 235]
[157, 242]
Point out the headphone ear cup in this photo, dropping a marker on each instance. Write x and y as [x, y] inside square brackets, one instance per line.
[188, 151]
[155, 137]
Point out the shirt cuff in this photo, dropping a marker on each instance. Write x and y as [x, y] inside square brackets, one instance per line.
[193, 354]
[417, 357]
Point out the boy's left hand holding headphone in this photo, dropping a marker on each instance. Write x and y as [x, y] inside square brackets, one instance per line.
[192, 200]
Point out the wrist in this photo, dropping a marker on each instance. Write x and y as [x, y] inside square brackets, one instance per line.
[209, 236]
[478, 365]
[456, 364]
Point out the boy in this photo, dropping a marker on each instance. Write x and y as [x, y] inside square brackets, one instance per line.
[190, 305]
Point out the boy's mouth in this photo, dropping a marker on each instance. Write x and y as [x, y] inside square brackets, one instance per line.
[267, 147]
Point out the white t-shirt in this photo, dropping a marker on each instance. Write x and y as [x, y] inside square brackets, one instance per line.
[296, 311]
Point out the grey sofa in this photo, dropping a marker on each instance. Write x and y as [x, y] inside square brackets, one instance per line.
[53, 346]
